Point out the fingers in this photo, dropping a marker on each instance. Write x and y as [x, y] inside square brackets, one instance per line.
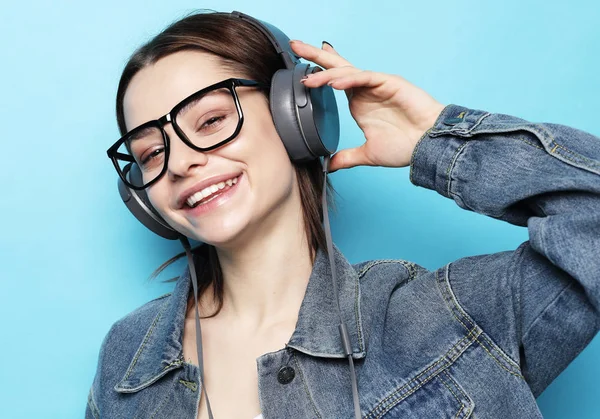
[328, 47]
[326, 76]
[350, 157]
[349, 80]
[326, 58]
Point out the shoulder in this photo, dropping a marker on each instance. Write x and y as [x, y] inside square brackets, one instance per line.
[393, 270]
[383, 282]
[147, 309]
[119, 347]
[125, 336]
[136, 323]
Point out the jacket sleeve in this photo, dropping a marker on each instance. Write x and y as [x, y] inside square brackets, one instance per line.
[94, 402]
[540, 303]
[91, 410]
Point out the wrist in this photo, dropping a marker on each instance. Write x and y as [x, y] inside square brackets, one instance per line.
[427, 123]
[432, 117]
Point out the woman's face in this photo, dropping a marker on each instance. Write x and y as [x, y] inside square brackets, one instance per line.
[265, 187]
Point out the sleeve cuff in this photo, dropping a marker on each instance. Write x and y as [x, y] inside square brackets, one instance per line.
[434, 156]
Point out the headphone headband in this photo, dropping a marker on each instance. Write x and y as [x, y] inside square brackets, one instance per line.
[306, 120]
[280, 41]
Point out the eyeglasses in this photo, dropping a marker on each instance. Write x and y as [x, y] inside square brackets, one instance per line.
[205, 120]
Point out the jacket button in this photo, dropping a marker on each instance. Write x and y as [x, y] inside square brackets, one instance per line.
[286, 375]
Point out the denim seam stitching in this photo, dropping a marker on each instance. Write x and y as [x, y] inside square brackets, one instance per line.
[530, 143]
[143, 344]
[451, 167]
[414, 153]
[177, 363]
[518, 293]
[556, 145]
[575, 155]
[357, 315]
[305, 385]
[418, 144]
[443, 359]
[409, 266]
[462, 405]
[452, 301]
[453, 305]
[516, 374]
[536, 130]
[461, 131]
[92, 404]
[425, 381]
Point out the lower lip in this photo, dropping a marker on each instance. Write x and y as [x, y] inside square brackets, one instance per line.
[216, 202]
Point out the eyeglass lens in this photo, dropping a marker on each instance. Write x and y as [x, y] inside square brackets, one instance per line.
[206, 120]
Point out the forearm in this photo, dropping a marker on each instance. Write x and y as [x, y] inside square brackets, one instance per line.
[546, 177]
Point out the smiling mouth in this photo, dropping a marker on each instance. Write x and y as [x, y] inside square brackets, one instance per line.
[210, 192]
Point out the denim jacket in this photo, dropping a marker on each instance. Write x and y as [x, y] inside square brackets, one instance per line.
[480, 337]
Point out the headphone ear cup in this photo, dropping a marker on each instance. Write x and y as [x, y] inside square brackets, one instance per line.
[283, 110]
[319, 119]
[139, 205]
[307, 120]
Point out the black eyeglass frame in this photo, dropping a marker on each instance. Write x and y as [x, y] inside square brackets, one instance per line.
[159, 123]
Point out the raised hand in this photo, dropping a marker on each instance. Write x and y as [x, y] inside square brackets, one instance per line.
[392, 113]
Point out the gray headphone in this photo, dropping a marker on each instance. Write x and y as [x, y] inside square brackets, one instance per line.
[306, 120]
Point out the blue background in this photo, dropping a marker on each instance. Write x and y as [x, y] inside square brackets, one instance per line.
[74, 260]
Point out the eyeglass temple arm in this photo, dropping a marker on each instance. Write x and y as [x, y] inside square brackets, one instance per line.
[250, 83]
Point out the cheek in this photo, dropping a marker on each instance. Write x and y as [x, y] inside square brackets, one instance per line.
[268, 161]
[261, 139]
[157, 196]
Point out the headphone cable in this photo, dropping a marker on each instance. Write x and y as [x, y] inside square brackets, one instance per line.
[342, 326]
[192, 267]
[346, 344]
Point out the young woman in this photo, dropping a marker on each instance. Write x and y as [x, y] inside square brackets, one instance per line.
[481, 337]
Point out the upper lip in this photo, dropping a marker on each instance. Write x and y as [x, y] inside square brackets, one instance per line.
[183, 197]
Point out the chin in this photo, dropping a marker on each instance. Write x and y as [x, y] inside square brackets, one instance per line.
[221, 234]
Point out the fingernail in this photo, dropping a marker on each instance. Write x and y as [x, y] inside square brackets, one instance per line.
[295, 40]
[325, 42]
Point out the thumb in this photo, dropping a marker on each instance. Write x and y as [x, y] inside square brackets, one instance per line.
[350, 157]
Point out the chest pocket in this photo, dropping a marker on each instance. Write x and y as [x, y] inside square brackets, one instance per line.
[439, 397]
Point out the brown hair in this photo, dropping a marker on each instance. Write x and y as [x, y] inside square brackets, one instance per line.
[244, 49]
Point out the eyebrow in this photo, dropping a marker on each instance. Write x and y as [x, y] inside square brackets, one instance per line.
[199, 98]
[141, 133]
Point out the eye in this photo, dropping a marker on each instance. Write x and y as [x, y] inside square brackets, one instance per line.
[152, 155]
[213, 120]
[212, 123]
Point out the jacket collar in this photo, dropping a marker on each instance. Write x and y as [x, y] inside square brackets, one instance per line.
[316, 334]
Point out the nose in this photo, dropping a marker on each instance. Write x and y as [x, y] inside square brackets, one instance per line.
[183, 160]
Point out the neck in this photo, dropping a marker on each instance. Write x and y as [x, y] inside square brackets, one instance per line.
[265, 278]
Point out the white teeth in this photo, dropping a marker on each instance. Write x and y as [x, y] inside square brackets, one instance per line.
[209, 190]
